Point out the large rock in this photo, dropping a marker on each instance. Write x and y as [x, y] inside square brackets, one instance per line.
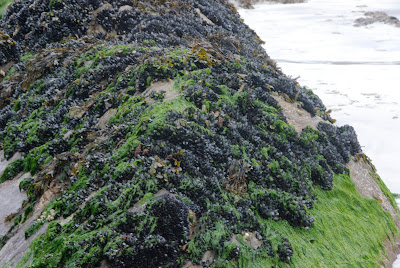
[159, 134]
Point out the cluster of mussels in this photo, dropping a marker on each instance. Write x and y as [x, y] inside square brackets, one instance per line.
[159, 121]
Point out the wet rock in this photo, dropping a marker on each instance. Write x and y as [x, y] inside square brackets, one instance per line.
[152, 125]
[376, 16]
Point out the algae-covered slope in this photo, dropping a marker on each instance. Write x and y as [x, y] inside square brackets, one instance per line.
[150, 133]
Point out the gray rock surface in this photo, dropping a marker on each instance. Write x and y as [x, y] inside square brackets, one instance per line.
[376, 16]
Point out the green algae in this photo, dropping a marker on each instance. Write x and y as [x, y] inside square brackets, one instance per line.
[386, 191]
[9, 74]
[3, 6]
[150, 119]
[33, 228]
[90, 60]
[61, 242]
[91, 234]
[37, 157]
[27, 56]
[333, 241]
[12, 170]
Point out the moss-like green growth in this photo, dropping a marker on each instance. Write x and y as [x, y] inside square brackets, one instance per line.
[9, 74]
[3, 6]
[386, 192]
[90, 59]
[28, 211]
[37, 157]
[193, 168]
[33, 228]
[12, 170]
[27, 56]
[333, 241]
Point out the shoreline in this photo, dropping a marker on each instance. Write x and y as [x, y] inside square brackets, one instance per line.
[352, 69]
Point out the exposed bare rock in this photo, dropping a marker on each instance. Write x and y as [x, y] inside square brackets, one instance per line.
[189, 264]
[365, 179]
[208, 257]
[204, 17]
[164, 90]
[361, 173]
[392, 249]
[103, 121]
[182, 169]
[95, 27]
[4, 162]
[104, 264]
[11, 199]
[297, 116]
[17, 245]
[250, 238]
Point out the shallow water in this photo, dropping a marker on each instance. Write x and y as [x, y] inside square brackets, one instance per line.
[354, 70]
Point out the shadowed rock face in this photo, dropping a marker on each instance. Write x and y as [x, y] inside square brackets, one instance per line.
[113, 103]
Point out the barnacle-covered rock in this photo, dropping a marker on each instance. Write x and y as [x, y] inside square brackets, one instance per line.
[155, 125]
[9, 50]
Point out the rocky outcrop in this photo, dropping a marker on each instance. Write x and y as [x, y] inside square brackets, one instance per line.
[376, 16]
[155, 134]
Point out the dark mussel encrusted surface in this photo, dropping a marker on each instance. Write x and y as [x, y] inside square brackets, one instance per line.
[173, 177]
